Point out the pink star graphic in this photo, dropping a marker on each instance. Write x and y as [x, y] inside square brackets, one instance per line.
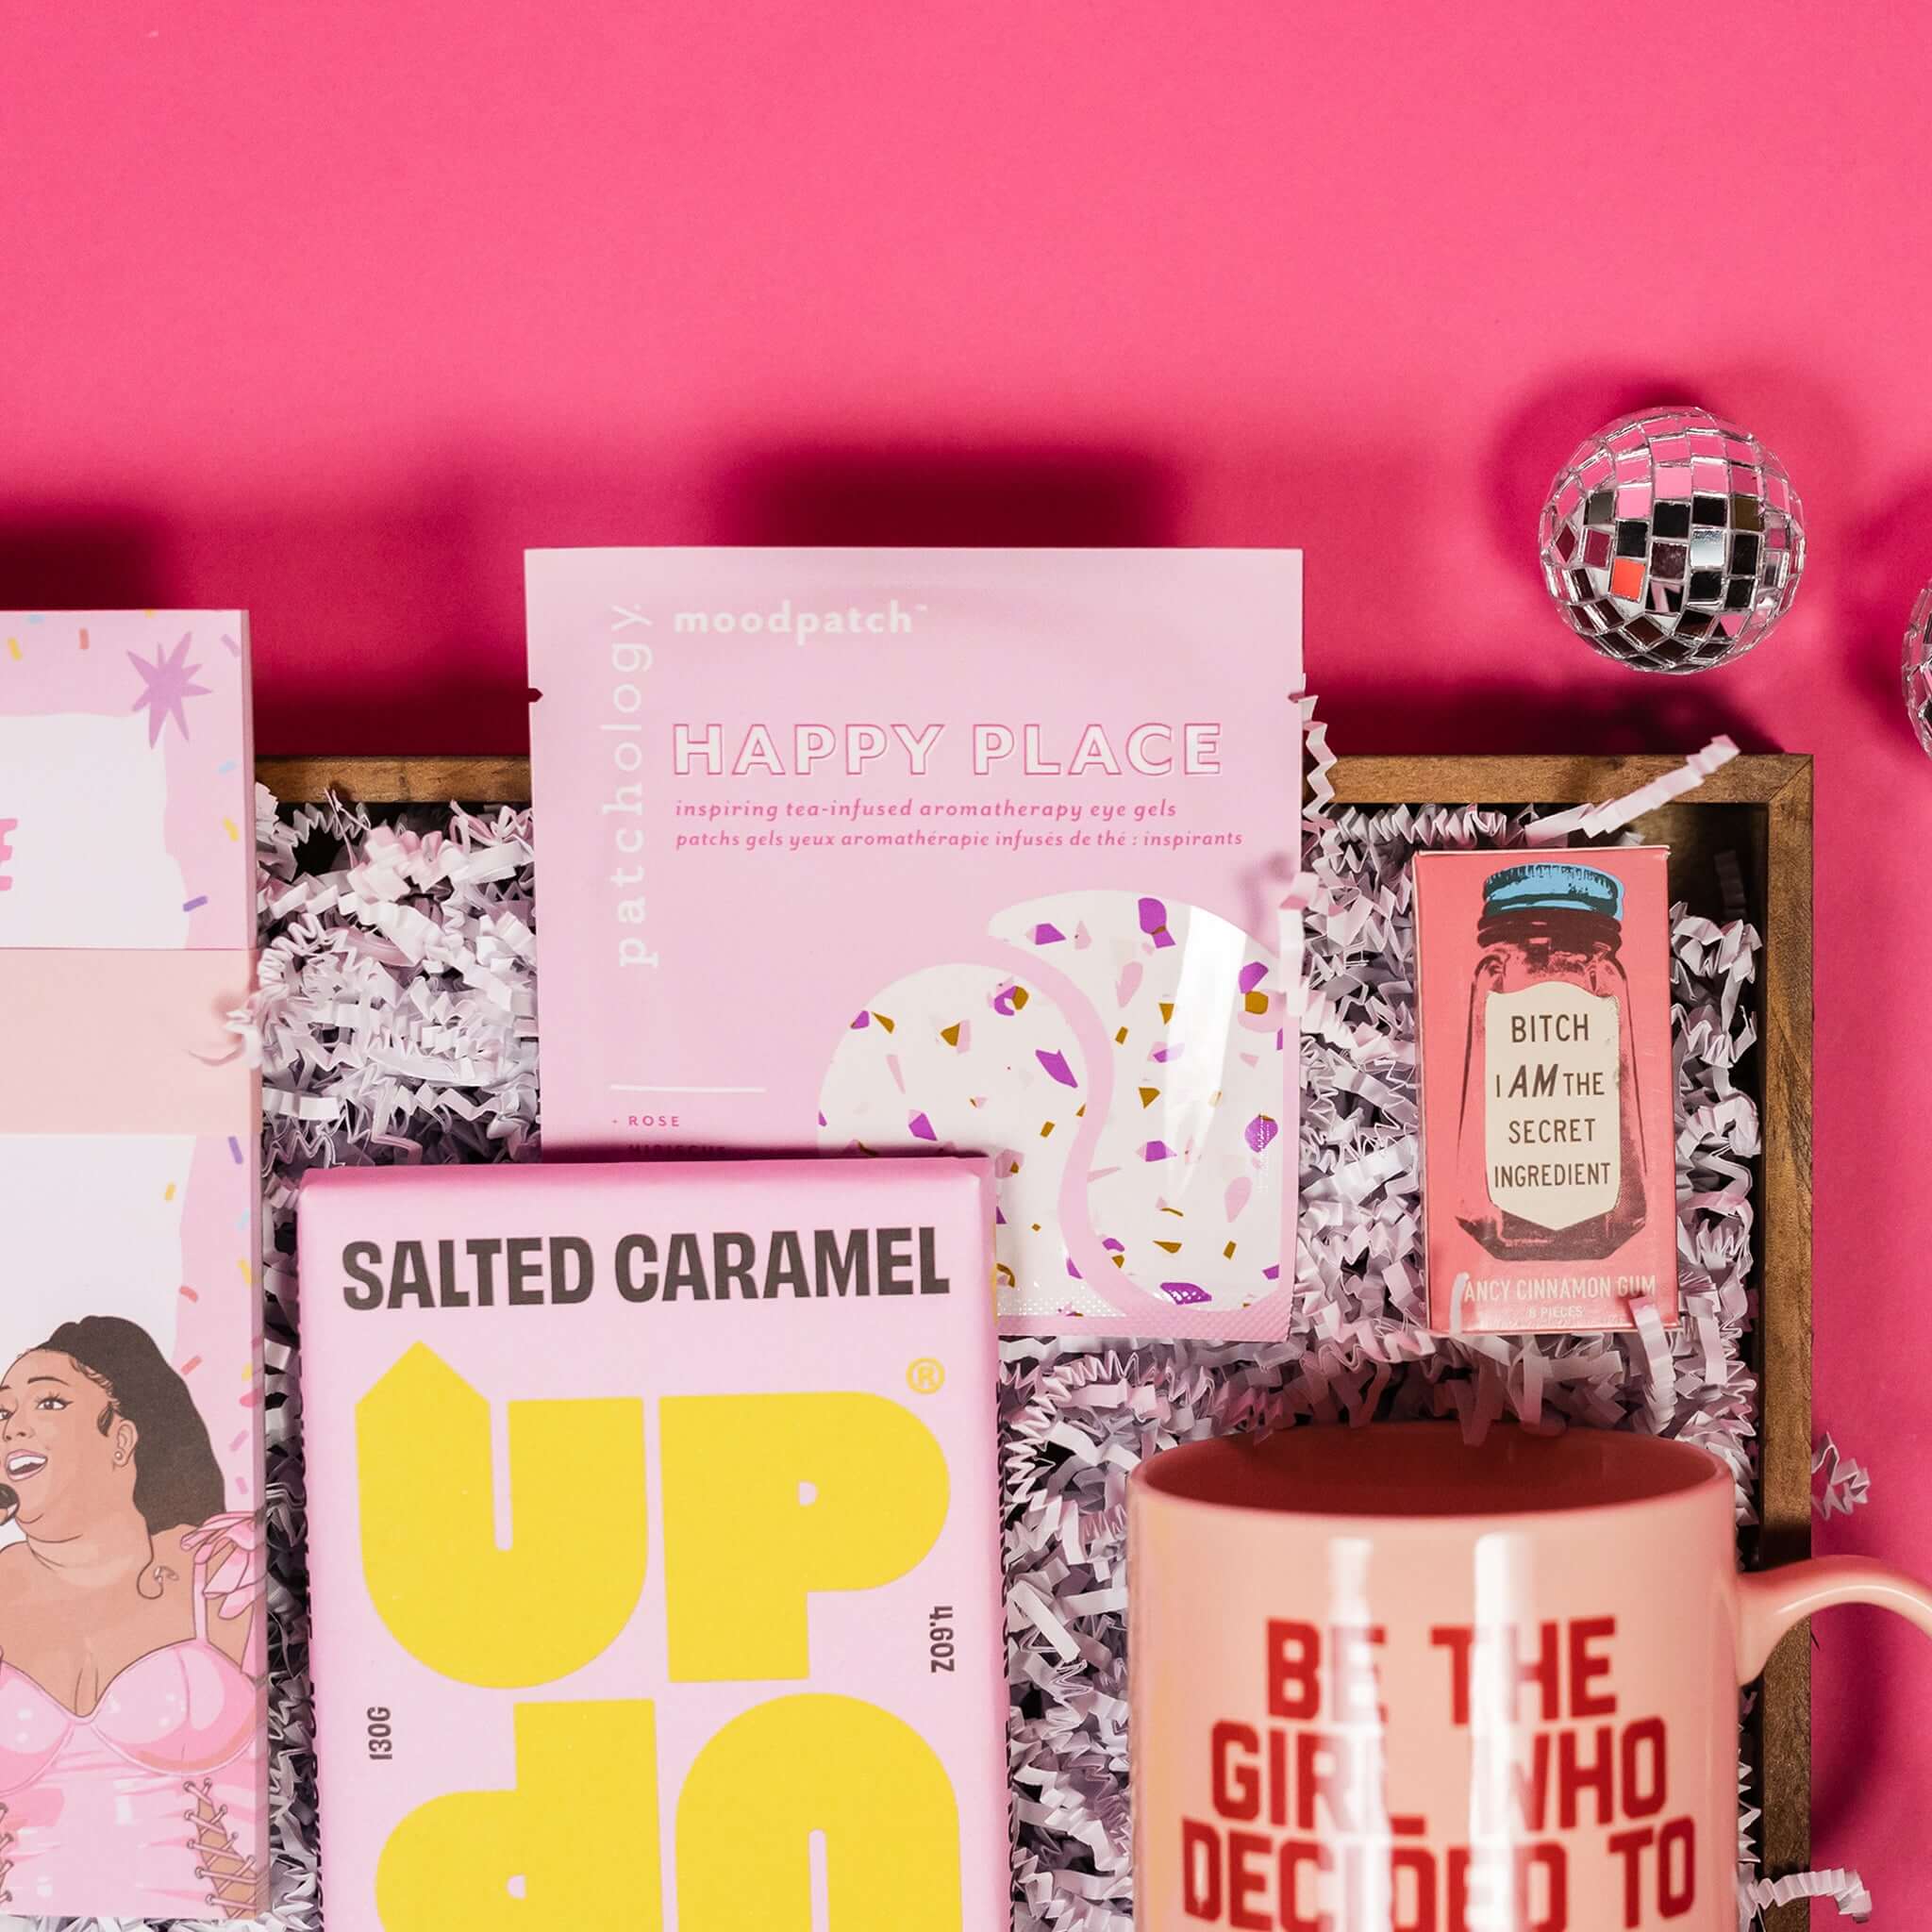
[165, 685]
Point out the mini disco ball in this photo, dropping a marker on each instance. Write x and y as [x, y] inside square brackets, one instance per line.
[1673, 541]
[1918, 667]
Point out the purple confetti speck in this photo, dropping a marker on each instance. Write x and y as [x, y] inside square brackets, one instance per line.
[863, 1020]
[1260, 1130]
[1272, 1272]
[1003, 1001]
[194, 904]
[1154, 922]
[1047, 935]
[1156, 1150]
[1185, 1293]
[1253, 974]
[234, 1150]
[920, 1127]
[822, 1121]
[1055, 1064]
[1072, 1269]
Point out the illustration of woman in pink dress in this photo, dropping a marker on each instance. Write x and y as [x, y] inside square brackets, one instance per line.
[131, 1638]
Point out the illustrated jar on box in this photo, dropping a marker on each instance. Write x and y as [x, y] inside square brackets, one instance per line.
[1551, 1157]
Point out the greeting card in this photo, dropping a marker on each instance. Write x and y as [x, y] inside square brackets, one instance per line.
[132, 1637]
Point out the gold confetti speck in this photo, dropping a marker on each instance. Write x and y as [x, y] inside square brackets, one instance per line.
[168, 1192]
[1045, 1129]
[1228, 1253]
[234, 836]
[1255, 1002]
[883, 1021]
[13, 649]
[247, 1272]
[1166, 1011]
[1120, 1039]
[1168, 1247]
[950, 1033]
[1149, 1096]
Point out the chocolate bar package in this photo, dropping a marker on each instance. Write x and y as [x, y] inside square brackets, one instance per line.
[654, 1544]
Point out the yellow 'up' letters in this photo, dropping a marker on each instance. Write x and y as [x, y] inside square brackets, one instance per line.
[765, 1500]
[575, 1566]
[744, 1545]
[580, 1831]
[835, 1765]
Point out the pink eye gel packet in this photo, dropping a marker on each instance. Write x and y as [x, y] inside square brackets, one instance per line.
[894, 852]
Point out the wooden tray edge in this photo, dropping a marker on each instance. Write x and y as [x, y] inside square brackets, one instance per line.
[1781, 783]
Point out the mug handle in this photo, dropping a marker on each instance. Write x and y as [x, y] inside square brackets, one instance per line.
[1769, 1602]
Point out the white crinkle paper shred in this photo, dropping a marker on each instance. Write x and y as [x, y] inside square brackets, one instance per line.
[396, 1024]
[1838, 1484]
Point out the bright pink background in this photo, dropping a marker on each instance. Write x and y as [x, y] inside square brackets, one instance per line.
[331, 310]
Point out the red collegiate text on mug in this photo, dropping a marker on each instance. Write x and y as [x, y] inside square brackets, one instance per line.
[1386, 1682]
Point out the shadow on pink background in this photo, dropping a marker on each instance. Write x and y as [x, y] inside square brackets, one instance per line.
[331, 312]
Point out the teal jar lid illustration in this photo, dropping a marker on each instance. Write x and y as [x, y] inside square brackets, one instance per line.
[1553, 886]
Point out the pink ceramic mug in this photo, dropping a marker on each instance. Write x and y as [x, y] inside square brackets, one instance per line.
[1383, 1682]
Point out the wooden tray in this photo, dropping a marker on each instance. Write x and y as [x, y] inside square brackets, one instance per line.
[1758, 808]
